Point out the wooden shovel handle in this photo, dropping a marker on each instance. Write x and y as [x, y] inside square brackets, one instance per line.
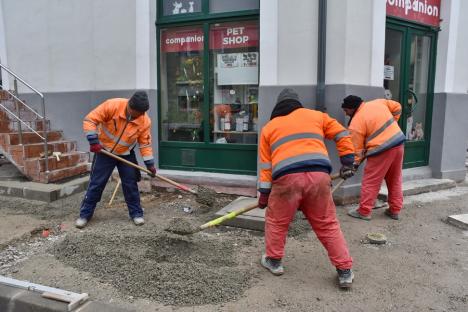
[180, 186]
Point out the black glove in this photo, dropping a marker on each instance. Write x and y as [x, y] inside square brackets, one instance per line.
[346, 172]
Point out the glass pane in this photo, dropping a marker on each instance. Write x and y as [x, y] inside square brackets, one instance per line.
[392, 65]
[417, 85]
[234, 82]
[175, 7]
[182, 84]
[218, 6]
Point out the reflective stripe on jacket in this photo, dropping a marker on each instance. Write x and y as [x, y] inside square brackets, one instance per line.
[374, 127]
[115, 132]
[297, 141]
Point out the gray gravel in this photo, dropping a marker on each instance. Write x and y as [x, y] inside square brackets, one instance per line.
[168, 268]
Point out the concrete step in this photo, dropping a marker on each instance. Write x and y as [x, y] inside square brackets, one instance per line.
[33, 166]
[28, 137]
[36, 149]
[12, 125]
[419, 186]
[61, 174]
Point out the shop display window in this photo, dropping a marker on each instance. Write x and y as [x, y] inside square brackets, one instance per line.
[182, 84]
[234, 61]
[220, 6]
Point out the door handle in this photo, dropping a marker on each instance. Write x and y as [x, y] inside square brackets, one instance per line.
[412, 107]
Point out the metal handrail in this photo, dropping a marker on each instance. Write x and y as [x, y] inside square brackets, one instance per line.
[44, 138]
[19, 120]
[19, 100]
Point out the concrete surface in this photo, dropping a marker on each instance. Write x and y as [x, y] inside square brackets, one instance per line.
[460, 220]
[419, 186]
[43, 192]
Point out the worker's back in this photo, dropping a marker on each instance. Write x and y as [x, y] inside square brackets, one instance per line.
[297, 141]
[377, 121]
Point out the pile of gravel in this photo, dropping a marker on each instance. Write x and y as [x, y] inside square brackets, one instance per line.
[168, 268]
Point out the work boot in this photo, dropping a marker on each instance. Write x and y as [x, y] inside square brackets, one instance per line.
[345, 278]
[81, 223]
[139, 221]
[389, 214]
[272, 265]
[355, 214]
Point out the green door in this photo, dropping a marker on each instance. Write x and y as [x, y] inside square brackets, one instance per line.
[409, 79]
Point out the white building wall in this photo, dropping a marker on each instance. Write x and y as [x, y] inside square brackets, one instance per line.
[82, 45]
[297, 42]
[460, 84]
[3, 51]
[355, 42]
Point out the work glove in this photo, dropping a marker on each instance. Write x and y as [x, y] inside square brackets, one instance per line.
[153, 171]
[346, 172]
[263, 200]
[150, 166]
[94, 145]
[95, 148]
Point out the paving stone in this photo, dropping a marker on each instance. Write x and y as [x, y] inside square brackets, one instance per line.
[460, 220]
[253, 220]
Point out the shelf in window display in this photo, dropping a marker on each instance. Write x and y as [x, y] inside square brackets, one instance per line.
[189, 82]
[249, 103]
[235, 132]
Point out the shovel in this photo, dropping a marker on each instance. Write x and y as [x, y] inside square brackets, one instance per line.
[187, 229]
[202, 197]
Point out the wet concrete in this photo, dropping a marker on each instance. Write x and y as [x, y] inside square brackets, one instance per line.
[170, 269]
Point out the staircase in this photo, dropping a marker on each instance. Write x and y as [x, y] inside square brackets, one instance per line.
[22, 143]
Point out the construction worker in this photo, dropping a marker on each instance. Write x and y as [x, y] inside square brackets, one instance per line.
[117, 125]
[295, 174]
[377, 137]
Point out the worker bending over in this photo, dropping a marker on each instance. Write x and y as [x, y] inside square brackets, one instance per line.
[376, 135]
[295, 174]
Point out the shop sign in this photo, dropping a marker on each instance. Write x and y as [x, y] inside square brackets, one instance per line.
[182, 39]
[231, 36]
[420, 11]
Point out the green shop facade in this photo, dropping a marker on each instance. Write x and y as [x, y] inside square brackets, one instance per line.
[208, 81]
[208, 76]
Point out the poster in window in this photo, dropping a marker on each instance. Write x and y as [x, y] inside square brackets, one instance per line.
[237, 68]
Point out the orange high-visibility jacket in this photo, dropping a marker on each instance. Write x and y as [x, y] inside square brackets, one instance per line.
[374, 127]
[116, 133]
[295, 141]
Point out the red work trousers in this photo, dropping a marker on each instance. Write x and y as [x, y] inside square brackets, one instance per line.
[311, 193]
[387, 165]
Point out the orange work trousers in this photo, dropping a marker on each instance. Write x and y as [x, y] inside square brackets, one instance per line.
[311, 193]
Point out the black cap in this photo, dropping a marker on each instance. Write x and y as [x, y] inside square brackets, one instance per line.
[287, 94]
[351, 101]
[139, 101]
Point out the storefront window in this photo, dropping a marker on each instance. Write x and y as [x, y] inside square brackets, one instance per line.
[218, 6]
[392, 66]
[234, 64]
[182, 84]
[176, 7]
[418, 83]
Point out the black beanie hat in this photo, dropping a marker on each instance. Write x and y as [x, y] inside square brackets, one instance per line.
[139, 101]
[351, 101]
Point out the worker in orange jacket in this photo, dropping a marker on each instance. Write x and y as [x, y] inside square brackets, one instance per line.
[118, 126]
[376, 135]
[295, 174]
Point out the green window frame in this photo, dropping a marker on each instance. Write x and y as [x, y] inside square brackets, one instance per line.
[202, 156]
